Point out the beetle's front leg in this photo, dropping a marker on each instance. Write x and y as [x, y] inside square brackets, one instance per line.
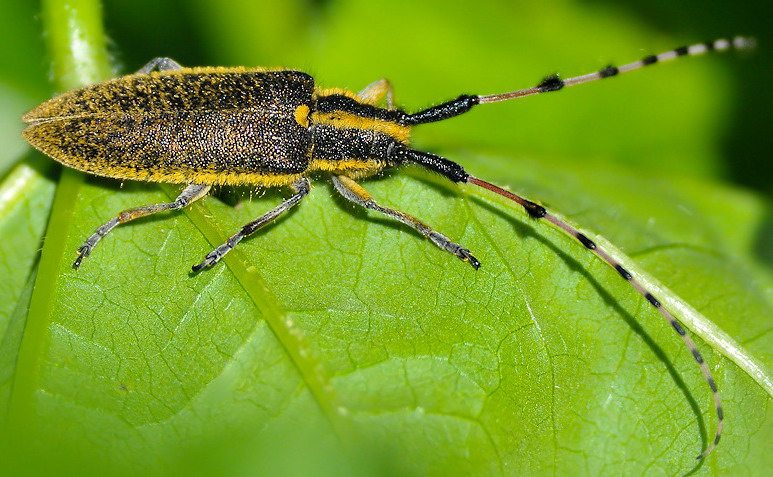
[376, 91]
[354, 192]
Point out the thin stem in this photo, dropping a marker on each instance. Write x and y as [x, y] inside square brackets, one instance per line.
[76, 44]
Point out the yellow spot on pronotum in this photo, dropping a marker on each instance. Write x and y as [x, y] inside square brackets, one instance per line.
[302, 115]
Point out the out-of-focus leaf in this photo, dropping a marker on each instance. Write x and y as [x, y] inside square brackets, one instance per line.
[25, 197]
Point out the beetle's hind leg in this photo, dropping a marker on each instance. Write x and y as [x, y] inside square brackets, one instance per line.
[357, 194]
[190, 194]
[161, 63]
[301, 187]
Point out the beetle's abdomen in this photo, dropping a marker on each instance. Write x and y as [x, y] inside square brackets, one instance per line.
[199, 125]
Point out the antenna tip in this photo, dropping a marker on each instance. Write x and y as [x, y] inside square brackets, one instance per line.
[744, 43]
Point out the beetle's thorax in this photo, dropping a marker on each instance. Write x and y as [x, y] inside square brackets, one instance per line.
[354, 138]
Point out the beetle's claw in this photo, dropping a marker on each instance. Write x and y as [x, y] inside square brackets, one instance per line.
[466, 256]
[83, 252]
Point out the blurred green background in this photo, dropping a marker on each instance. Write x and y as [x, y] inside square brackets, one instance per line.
[684, 124]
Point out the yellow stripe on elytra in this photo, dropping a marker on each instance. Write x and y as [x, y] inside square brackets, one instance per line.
[346, 120]
[233, 178]
[186, 177]
[205, 70]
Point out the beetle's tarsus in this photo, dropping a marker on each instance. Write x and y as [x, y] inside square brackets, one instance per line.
[213, 257]
[197, 268]
[466, 256]
[207, 262]
[83, 252]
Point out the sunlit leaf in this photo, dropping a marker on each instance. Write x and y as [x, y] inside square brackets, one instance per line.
[335, 340]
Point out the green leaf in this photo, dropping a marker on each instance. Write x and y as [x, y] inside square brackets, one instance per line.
[335, 339]
[25, 196]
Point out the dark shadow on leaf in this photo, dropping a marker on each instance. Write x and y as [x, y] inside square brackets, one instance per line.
[523, 230]
[228, 195]
[763, 243]
[434, 181]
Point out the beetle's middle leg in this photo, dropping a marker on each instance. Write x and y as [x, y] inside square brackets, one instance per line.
[301, 187]
[161, 63]
[376, 91]
[357, 194]
[190, 194]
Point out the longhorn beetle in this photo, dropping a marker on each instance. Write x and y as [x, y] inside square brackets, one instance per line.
[211, 126]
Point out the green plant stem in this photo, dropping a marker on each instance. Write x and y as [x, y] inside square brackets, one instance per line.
[76, 43]
[75, 40]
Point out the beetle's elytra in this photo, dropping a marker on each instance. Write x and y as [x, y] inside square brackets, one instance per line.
[272, 127]
[202, 125]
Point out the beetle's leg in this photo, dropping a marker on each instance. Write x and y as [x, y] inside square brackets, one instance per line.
[190, 194]
[301, 187]
[376, 91]
[357, 194]
[161, 63]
